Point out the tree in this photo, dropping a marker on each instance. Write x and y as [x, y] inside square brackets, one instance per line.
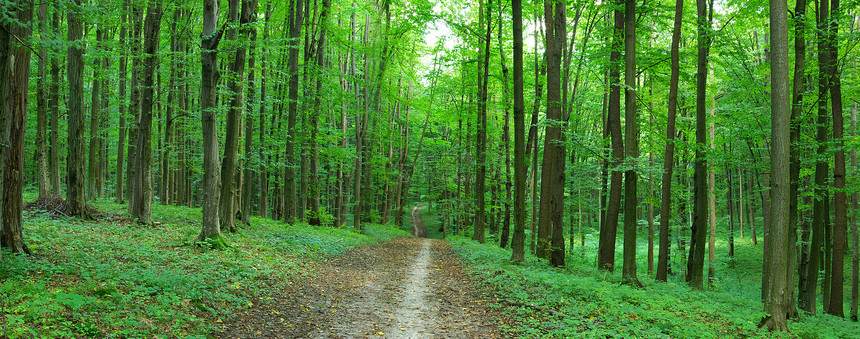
[669, 153]
[776, 294]
[209, 72]
[13, 115]
[696, 258]
[230, 163]
[42, 106]
[631, 147]
[609, 228]
[123, 74]
[552, 176]
[518, 238]
[143, 187]
[296, 20]
[481, 137]
[76, 204]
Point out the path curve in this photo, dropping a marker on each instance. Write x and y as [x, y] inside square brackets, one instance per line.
[418, 228]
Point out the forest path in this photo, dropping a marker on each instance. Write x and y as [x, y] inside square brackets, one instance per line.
[418, 228]
[403, 288]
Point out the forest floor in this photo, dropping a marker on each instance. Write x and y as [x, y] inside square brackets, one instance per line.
[402, 288]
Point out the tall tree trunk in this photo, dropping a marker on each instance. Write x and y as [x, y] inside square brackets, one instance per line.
[712, 199]
[794, 151]
[777, 294]
[808, 301]
[54, 103]
[631, 147]
[840, 200]
[123, 70]
[696, 258]
[609, 230]
[95, 108]
[208, 96]
[506, 138]
[313, 194]
[143, 192]
[230, 182]
[76, 198]
[518, 238]
[669, 154]
[134, 103]
[263, 157]
[481, 137]
[248, 172]
[44, 181]
[13, 115]
[855, 239]
[551, 243]
[290, 175]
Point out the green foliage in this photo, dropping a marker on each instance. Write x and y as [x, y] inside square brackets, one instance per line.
[117, 279]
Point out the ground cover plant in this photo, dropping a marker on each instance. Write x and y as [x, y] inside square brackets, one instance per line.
[113, 277]
[580, 301]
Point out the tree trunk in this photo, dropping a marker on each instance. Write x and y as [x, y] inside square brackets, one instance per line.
[506, 139]
[119, 196]
[15, 58]
[808, 301]
[95, 108]
[481, 137]
[696, 258]
[134, 103]
[76, 204]
[712, 199]
[776, 301]
[230, 182]
[248, 172]
[855, 244]
[609, 230]
[669, 154]
[518, 238]
[44, 181]
[208, 96]
[794, 151]
[290, 175]
[143, 187]
[631, 147]
[550, 228]
[313, 194]
[54, 103]
[840, 200]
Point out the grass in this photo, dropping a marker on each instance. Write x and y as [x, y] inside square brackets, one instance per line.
[592, 303]
[118, 279]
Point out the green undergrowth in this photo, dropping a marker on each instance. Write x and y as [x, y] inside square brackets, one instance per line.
[115, 278]
[580, 301]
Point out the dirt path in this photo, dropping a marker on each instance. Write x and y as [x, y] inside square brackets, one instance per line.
[418, 228]
[404, 288]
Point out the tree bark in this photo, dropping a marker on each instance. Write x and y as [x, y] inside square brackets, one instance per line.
[631, 147]
[551, 243]
[609, 230]
[143, 187]
[506, 139]
[15, 58]
[712, 199]
[95, 108]
[518, 238]
[44, 182]
[54, 103]
[696, 258]
[208, 96]
[795, 137]
[119, 196]
[669, 153]
[76, 204]
[855, 239]
[840, 199]
[290, 175]
[481, 137]
[248, 171]
[778, 291]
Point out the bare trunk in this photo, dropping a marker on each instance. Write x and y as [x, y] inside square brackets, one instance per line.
[15, 59]
[42, 109]
[76, 198]
[669, 154]
[208, 96]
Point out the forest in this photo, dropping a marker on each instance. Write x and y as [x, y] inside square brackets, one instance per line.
[642, 166]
